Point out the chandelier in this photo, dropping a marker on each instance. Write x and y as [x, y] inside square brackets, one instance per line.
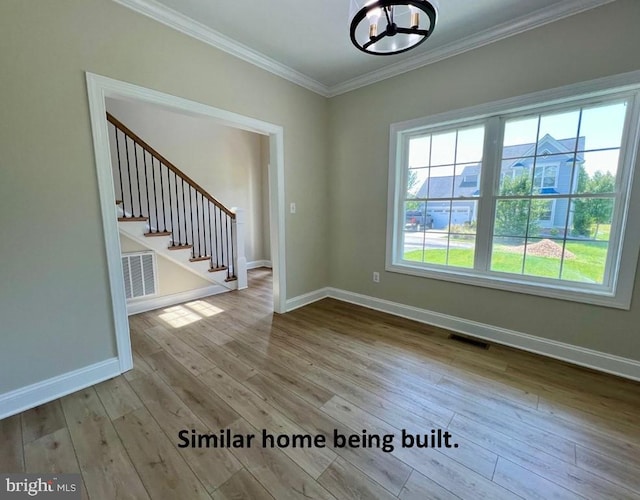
[387, 27]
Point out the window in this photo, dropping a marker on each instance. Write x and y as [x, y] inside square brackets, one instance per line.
[530, 197]
[470, 180]
[546, 211]
[439, 164]
[545, 177]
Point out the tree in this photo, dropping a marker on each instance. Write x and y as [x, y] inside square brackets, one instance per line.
[581, 219]
[412, 190]
[514, 217]
[590, 211]
[601, 209]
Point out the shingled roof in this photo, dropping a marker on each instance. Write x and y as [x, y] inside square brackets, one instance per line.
[455, 186]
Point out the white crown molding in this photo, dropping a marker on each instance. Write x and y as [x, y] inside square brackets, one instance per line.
[199, 31]
[505, 30]
[190, 27]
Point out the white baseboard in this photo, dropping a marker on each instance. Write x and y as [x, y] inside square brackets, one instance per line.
[609, 363]
[259, 263]
[137, 306]
[307, 298]
[43, 392]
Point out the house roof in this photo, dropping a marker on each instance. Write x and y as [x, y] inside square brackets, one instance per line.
[554, 146]
[448, 186]
[443, 187]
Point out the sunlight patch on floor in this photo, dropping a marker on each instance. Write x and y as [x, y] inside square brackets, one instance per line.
[183, 315]
[204, 308]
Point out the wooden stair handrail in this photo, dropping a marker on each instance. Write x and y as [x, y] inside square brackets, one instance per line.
[126, 130]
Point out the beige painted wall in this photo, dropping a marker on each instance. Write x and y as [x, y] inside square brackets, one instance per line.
[594, 44]
[171, 277]
[55, 310]
[55, 307]
[226, 162]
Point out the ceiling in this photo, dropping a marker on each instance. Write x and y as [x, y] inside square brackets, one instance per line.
[308, 41]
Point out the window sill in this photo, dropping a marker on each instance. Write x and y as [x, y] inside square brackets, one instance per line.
[596, 295]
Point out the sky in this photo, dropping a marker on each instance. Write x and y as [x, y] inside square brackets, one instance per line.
[601, 124]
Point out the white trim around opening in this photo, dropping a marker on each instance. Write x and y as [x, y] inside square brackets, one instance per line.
[101, 87]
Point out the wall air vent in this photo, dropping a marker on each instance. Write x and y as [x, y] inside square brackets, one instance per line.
[469, 340]
[139, 274]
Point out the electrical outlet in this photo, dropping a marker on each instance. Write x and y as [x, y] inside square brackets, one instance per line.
[376, 277]
[292, 208]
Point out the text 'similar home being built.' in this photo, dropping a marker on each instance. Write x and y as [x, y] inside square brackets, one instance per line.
[349, 249]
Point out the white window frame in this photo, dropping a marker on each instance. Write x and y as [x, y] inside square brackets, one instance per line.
[622, 258]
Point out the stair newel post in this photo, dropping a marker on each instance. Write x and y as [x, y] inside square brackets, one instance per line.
[237, 248]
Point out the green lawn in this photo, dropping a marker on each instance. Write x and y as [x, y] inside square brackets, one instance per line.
[603, 232]
[588, 266]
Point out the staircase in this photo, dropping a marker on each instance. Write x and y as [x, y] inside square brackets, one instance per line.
[163, 209]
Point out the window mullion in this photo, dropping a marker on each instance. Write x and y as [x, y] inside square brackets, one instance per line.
[488, 180]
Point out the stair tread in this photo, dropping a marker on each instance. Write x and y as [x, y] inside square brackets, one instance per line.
[216, 269]
[158, 233]
[231, 278]
[133, 219]
[199, 259]
[180, 247]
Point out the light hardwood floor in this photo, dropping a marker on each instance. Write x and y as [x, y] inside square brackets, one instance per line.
[526, 426]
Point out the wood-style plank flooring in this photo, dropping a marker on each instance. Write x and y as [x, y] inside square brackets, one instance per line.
[525, 426]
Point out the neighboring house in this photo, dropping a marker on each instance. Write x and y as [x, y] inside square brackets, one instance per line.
[554, 160]
[443, 213]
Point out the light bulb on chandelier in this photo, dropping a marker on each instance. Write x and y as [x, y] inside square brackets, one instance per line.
[387, 27]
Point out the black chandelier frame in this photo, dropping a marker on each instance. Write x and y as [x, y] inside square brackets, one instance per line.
[392, 28]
